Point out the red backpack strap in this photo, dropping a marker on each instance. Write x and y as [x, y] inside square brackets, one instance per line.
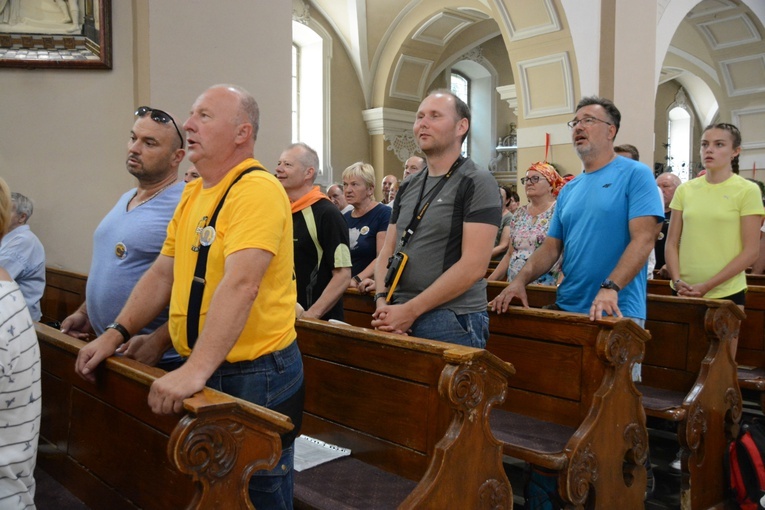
[754, 453]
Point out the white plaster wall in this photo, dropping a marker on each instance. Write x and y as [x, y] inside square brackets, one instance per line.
[63, 133]
[62, 143]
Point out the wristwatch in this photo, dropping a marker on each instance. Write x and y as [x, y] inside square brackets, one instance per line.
[119, 327]
[608, 284]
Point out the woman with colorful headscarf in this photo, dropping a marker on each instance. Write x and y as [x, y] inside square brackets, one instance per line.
[529, 225]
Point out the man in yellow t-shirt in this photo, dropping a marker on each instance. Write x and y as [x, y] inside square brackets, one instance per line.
[246, 343]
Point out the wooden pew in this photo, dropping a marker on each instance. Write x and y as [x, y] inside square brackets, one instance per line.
[64, 292]
[103, 443]
[688, 378]
[415, 415]
[571, 406]
[750, 354]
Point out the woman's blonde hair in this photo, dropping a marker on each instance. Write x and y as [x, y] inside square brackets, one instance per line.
[363, 170]
[6, 207]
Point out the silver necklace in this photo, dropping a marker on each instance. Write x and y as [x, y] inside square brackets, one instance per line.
[151, 197]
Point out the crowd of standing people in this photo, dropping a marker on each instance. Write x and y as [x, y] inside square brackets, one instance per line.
[206, 266]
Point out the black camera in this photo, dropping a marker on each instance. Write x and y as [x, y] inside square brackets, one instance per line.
[396, 265]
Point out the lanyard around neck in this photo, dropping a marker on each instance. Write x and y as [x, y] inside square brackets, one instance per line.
[432, 194]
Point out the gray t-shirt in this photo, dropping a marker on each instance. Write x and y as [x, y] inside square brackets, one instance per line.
[469, 196]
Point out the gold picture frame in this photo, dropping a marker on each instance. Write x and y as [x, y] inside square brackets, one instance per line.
[80, 38]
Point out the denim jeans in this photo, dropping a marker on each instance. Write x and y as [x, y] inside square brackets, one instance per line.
[470, 329]
[637, 368]
[267, 381]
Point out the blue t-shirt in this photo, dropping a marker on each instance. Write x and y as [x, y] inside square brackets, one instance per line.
[592, 220]
[23, 256]
[125, 244]
[362, 234]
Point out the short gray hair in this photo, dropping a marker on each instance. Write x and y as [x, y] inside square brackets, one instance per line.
[308, 156]
[248, 107]
[22, 204]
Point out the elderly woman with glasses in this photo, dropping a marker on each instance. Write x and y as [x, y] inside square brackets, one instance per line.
[529, 224]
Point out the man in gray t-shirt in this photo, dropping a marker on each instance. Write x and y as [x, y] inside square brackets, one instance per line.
[441, 293]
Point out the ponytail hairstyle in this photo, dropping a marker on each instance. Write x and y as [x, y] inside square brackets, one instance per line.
[735, 134]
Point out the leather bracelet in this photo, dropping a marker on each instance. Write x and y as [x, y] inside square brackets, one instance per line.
[119, 327]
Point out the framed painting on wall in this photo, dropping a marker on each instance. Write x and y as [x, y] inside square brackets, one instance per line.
[59, 34]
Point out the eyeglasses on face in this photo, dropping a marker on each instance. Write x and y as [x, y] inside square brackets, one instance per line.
[531, 180]
[159, 116]
[586, 122]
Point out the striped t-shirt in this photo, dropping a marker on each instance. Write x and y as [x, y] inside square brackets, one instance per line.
[20, 402]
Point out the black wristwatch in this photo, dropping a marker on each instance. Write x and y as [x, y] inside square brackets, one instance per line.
[379, 295]
[608, 284]
[119, 327]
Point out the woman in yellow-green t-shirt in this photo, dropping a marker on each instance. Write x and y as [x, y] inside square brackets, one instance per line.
[714, 231]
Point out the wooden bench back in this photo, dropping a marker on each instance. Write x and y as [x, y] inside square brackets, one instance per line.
[561, 360]
[751, 342]
[555, 354]
[677, 325]
[416, 408]
[111, 451]
[64, 293]
[688, 377]
[572, 381]
[378, 393]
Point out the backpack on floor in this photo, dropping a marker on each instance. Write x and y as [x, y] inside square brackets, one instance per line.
[745, 467]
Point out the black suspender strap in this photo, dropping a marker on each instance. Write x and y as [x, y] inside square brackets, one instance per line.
[432, 194]
[198, 282]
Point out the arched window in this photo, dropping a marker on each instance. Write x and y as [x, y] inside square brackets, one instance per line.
[460, 86]
[295, 89]
[680, 136]
[310, 92]
[474, 80]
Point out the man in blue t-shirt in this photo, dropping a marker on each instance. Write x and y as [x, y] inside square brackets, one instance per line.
[129, 239]
[605, 225]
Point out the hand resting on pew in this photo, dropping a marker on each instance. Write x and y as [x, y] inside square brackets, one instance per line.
[514, 289]
[148, 349]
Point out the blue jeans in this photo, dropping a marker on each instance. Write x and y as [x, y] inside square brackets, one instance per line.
[470, 329]
[267, 381]
[637, 368]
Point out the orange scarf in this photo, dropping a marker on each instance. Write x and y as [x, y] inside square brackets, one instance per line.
[308, 199]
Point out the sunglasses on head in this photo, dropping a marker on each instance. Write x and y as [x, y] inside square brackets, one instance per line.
[159, 116]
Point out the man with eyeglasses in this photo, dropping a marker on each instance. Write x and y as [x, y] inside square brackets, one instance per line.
[129, 238]
[226, 269]
[606, 219]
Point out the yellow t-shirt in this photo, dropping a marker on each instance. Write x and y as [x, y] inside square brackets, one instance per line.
[256, 214]
[711, 235]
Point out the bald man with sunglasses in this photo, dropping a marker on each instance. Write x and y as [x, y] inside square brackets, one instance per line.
[130, 237]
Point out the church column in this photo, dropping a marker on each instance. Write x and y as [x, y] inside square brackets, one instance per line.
[628, 70]
[391, 141]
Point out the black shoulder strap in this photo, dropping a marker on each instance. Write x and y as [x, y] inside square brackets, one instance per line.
[198, 282]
